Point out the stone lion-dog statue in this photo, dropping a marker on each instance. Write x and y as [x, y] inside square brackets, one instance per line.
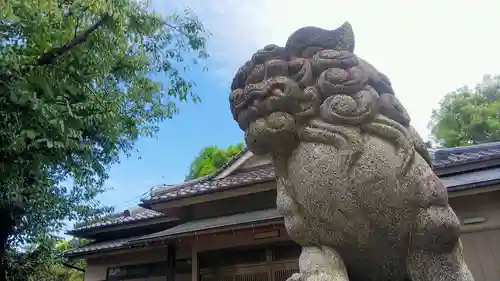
[354, 181]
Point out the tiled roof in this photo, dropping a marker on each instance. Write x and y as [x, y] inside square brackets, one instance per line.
[260, 216]
[99, 247]
[162, 189]
[211, 224]
[144, 214]
[455, 156]
[262, 174]
[442, 158]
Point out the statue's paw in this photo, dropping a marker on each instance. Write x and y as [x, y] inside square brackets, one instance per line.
[320, 276]
[295, 277]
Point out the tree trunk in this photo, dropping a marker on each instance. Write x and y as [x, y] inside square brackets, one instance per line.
[6, 228]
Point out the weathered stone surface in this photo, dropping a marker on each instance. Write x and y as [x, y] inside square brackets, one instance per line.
[354, 181]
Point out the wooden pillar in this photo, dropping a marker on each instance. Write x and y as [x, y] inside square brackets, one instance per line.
[195, 265]
[171, 256]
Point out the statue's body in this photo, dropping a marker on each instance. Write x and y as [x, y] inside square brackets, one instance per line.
[354, 181]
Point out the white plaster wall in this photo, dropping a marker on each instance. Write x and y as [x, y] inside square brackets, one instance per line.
[484, 205]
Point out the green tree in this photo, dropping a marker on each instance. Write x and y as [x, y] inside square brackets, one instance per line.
[469, 116]
[44, 261]
[76, 91]
[212, 158]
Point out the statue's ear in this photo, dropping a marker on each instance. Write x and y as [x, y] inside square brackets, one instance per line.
[345, 37]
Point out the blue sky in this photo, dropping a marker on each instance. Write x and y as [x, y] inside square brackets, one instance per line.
[427, 48]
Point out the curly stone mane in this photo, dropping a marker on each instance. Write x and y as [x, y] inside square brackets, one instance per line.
[316, 89]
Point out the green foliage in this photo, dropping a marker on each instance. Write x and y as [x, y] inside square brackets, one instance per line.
[212, 158]
[44, 261]
[76, 90]
[469, 116]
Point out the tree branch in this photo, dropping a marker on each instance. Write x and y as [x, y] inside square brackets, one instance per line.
[51, 55]
[178, 29]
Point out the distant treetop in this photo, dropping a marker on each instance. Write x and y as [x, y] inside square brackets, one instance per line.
[469, 116]
[211, 158]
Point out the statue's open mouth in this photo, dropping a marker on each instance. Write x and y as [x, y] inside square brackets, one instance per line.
[264, 99]
[263, 104]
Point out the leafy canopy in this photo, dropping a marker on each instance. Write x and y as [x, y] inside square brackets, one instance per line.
[76, 90]
[44, 261]
[469, 115]
[212, 158]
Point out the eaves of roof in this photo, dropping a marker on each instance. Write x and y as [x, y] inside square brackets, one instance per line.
[99, 247]
[211, 224]
[189, 228]
[472, 179]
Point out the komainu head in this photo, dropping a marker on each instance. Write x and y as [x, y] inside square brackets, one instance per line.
[312, 86]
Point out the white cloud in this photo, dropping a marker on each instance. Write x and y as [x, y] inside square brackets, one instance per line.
[427, 48]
